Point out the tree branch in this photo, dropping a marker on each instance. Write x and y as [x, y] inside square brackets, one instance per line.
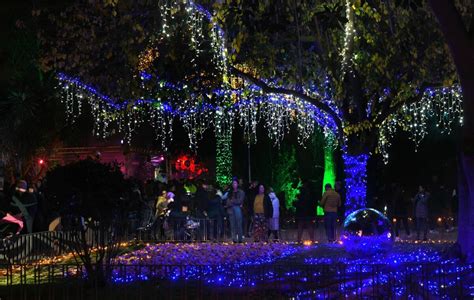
[268, 89]
[455, 33]
[388, 110]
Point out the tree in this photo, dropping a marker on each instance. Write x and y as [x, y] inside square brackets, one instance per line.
[30, 118]
[136, 61]
[374, 55]
[110, 44]
[286, 179]
[460, 39]
[92, 193]
[366, 68]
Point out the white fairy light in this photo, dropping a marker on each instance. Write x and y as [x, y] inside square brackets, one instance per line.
[442, 105]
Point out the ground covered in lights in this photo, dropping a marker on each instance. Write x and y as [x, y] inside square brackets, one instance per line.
[408, 270]
[316, 271]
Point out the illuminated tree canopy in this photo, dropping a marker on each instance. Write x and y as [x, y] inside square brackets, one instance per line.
[360, 70]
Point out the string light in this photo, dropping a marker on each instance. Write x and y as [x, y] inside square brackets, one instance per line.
[278, 112]
[355, 169]
[443, 105]
[251, 264]
[249, 105]
[196, 110]
[349, 33]
[224, 158]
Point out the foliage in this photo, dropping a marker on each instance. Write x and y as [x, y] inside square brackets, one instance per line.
[93, 191]
[30, 117]
[374, 66]
[285, 176]
[108, 44]
[92, 187]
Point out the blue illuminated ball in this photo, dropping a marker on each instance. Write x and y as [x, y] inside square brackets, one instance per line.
[366, 232]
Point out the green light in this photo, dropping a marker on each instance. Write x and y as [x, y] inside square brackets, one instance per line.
[286, 177]
[329, 172]
[223, 158]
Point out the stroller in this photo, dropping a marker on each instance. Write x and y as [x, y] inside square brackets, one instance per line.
[10, 225]
[184, 228]
[147, 226]
[192, 229]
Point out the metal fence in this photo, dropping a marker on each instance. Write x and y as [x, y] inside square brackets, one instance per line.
[30, 247]
[26, 248]
[279, 281]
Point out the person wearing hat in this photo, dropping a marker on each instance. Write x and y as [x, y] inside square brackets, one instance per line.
[26, 204]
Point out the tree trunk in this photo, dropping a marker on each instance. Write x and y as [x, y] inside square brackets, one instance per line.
[329, 172]
[329, 167]
[466, 205]
[96, 277]
[466, 173]
[461, 45]
[355, 169]
[223, 158]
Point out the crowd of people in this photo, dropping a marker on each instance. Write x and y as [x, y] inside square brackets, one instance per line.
[241, 210]
[254, 212]
[433, 207]
[251, 211]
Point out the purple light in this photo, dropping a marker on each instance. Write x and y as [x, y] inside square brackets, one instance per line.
[355, 169]
[319, 117]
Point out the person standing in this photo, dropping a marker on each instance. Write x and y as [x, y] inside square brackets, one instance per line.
[274, 220]
[251, 192]
[262, 208]
[234, 210]
[330, 202]
[435, 207]
[40, 223]
[340, 189]
[134, 207]
[26, 204]
[161, 209]
[201, 199]
[216, 213]
[305, 211]
[421, 212]
[400, 210]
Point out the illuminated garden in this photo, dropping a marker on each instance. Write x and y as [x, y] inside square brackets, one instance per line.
[179, 149]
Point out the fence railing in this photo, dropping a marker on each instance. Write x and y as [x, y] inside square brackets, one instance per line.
[27, 248]
[32, 247]
[361, 281]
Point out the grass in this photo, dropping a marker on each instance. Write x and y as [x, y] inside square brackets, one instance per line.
[54, 267]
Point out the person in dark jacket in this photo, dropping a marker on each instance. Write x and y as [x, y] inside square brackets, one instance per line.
[201, 199]
[263, 210]
[421, 212]
[305, 211]
[215, 212]
[134, 207]
[330, 202]
[400, 210]
[179, 210]
[25, 203]
[234, 204]
[340, 189]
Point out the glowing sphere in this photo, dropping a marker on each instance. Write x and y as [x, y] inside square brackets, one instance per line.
[366, 232]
